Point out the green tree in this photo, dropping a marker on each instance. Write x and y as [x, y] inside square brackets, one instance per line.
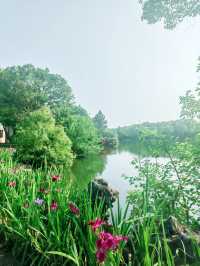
[80, 128]
[109, 138]
[24, 89]
[39, 141]
[83, 134]
[170, 12]
[63, 114]
[190, 103]
[178, 130]
[100, 121]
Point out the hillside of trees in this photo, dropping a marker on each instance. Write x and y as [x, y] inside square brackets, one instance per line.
[173, 131]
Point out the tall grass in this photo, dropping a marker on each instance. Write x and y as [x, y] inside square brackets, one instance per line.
[37, 235]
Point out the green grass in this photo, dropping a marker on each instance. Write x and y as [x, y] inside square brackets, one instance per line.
[36, 235]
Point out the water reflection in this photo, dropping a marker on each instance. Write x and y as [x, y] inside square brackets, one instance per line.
[111, 166]
[84, 170]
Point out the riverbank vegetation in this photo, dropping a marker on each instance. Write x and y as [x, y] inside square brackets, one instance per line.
[173, 131]
[46, 221]
[27, 94]
[46, 218]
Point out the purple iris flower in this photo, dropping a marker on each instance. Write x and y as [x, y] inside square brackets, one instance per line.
[39, 201]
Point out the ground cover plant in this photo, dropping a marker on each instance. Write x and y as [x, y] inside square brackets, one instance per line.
[165, 206]
[45, 221]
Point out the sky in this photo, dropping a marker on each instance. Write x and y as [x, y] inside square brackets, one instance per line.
[132, 71]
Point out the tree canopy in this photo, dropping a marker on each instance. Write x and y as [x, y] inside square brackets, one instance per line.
[178, 130]
[190, 103]
[100, 121]
[83, 134]
[24, 89]
[39, 141]
[169, 12]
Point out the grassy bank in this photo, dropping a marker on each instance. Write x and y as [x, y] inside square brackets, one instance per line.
[44, 220]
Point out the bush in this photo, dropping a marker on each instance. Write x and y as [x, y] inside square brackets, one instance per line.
[110, 139]
[84, 136]
[39, 141]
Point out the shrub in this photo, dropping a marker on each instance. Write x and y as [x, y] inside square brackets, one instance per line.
[84, 136]
[39, 141]
[109, 139]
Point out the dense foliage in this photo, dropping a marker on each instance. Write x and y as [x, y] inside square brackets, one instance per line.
[100, 121]
[179, 130]
[170, 12]
[45, 220]
[109, 137]
[25, 89]
[190, 103]
[84, 136]
[40, 142]
[169, 188]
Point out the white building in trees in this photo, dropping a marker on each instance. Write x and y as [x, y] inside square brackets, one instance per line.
[2, 134]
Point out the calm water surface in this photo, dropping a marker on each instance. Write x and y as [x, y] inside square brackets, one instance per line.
[111, 167]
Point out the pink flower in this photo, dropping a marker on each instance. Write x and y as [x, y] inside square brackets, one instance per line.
[12, 184]
[101, 255]
[55, 178]
[107, 241]
[104, 244]
[104, 235]
[96, 223]
[54, 205]
[121, 238]
[74, 209]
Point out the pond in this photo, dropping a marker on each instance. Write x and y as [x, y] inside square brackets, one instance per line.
[112, 167]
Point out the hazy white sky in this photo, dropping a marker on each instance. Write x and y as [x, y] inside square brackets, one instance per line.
[132, 71]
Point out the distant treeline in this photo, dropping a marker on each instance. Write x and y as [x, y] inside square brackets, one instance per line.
[178, 130]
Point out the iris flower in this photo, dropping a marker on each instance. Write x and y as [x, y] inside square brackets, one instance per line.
[74, 209]
[55, 178]
[54, 205]
[95, 224]
[39, 201]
